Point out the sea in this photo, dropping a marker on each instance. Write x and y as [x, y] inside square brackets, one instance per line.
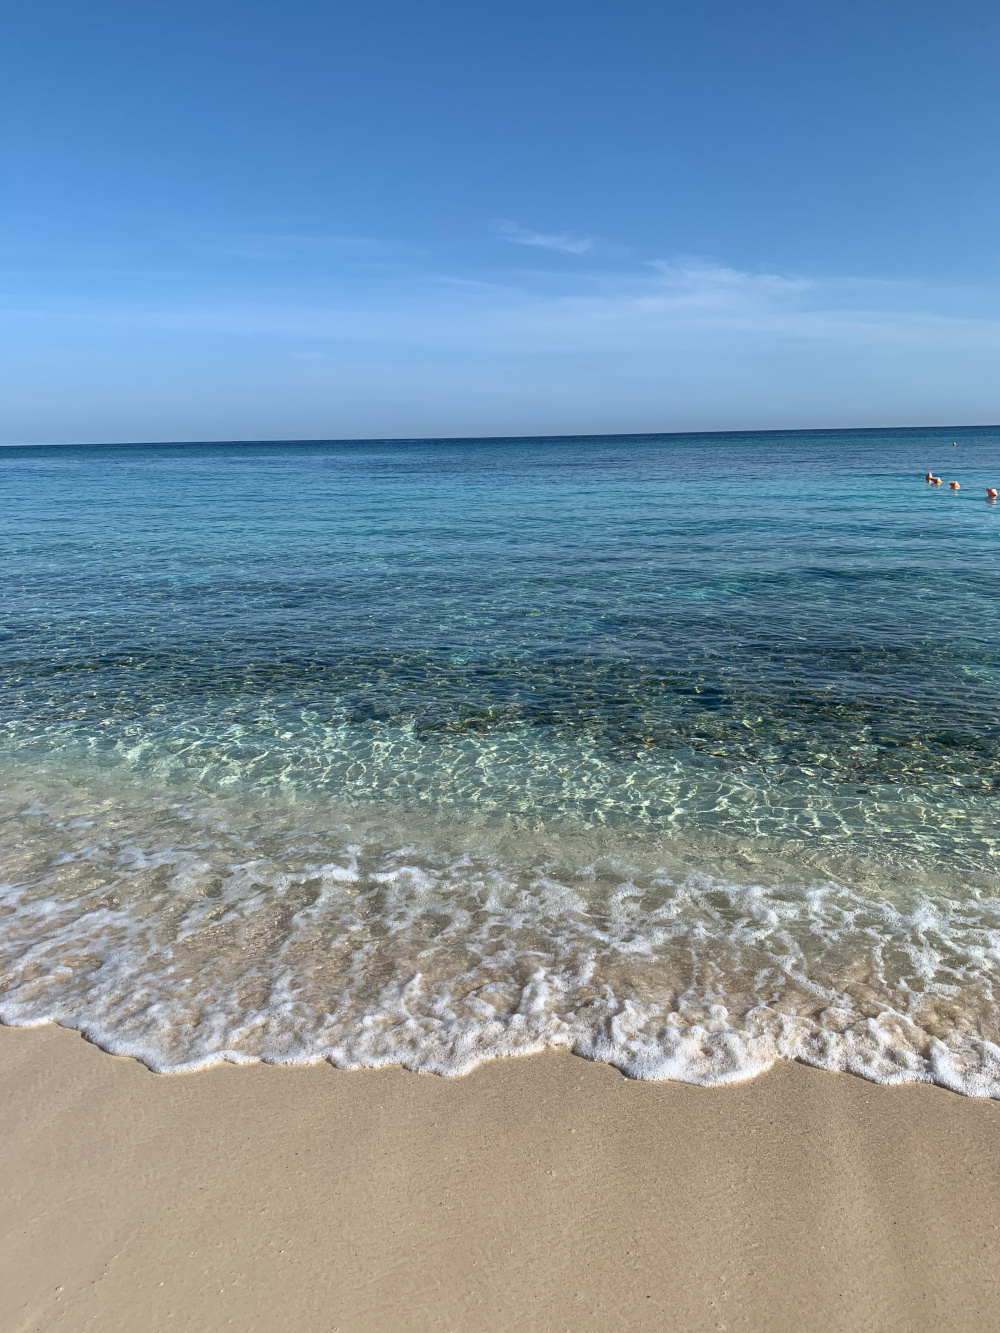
[678, 752]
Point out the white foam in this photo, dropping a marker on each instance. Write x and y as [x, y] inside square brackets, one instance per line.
[188, 932]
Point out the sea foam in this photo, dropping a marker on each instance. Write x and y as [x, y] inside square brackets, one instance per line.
[189, 931]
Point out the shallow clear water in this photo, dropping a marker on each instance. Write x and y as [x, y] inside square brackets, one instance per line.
[679, 751]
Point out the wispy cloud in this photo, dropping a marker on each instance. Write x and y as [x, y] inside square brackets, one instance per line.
[678, 343]
[277, 246]
[669, 304]
[565, 242]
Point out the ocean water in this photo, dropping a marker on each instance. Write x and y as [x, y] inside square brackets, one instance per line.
[680, 752]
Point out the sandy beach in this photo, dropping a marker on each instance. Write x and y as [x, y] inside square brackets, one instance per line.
[540, 1193]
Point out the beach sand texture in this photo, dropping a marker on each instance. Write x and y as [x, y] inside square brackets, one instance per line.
[542, 1193]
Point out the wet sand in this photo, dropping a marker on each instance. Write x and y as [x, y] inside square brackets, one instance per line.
[544, 1193]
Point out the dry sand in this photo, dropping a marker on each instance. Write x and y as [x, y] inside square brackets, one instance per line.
[540, 1193]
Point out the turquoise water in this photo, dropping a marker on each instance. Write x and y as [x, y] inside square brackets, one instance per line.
[681, 751]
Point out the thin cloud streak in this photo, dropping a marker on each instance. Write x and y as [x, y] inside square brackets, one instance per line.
[681, 344]
[675, 303]
[291, 246]
[564, 242]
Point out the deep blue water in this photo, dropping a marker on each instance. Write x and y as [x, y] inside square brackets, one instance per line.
[516, 624]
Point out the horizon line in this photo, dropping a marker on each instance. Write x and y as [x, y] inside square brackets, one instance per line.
[486, 439]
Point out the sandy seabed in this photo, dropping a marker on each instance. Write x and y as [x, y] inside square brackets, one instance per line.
[541, 1193]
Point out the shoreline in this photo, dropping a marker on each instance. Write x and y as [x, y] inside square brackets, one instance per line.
[188, 931]
[544, 1192]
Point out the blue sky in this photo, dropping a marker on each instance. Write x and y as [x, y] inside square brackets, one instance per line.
[259, 220]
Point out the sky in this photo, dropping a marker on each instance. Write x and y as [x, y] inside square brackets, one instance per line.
[226, 220]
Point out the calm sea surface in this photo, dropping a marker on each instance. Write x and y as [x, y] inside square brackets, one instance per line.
[678, 751]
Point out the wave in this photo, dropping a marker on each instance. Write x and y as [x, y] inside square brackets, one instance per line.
[190, 929]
